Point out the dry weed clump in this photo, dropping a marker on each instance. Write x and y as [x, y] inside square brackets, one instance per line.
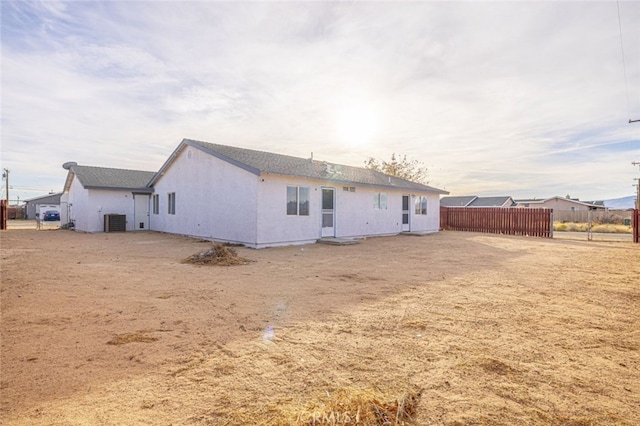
[597, 227]
[611, 229]
[219, 254]
[366, 407]
[122, 339]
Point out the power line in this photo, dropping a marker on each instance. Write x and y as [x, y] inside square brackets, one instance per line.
[24, 188]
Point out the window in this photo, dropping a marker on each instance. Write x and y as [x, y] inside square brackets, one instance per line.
[303, 201]
[380, 201]
[156, 204]
[297, 201]
[421, 205]
[172, 203]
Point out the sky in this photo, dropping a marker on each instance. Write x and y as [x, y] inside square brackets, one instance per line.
[528, 99]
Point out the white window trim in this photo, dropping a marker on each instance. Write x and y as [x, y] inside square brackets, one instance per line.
[299, 201]
[171, 205]
[418, 203]
[155, 199]
[380, 201]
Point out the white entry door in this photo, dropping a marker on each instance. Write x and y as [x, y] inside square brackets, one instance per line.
[141, 212]
[328, 212]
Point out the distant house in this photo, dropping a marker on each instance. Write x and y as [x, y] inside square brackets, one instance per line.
[91, 192]
[255, 198]
[460, 201]
[562, 204]
[41, 204]
[475, 201]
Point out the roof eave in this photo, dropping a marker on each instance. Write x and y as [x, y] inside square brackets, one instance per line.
[145, 189]
[68, 181]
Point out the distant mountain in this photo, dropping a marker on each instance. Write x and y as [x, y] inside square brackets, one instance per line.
[621, 203]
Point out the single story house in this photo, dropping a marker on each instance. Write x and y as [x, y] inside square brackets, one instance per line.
[256, 198]
[562, 204]
[475, 201]
[41, 204]
[90, 193]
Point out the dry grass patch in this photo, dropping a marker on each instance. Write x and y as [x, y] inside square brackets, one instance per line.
[414, 322]
[349, 405]
[496, 366]
[606, 228]
[125, 338]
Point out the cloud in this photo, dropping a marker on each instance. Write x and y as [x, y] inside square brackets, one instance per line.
[496, 98]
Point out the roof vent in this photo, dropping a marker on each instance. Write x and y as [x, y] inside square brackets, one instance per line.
[328, 168]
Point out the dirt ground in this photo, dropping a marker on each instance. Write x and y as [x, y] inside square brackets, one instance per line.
[113, 329]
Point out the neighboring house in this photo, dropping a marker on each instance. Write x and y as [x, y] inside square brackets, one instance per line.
[460, 201]
[261, 199]
[255, 198]
[91, 192]
[41, 204]
[475, 201]
[562, 203]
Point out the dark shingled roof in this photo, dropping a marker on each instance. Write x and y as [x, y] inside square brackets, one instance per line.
[475, 201]
[261, 162]
[491, 202]
[54, 198]
[461, 201]
[106, 178]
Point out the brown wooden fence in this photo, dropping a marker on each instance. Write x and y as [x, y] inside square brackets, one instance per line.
[3, 214]
[495, 220]
[636, 226]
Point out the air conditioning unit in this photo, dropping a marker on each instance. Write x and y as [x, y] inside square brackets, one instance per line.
[115, 223]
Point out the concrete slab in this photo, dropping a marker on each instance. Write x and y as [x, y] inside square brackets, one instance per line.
[338, 241]
[417, 233]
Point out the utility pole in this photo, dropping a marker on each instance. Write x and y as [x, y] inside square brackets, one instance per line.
[5, 176]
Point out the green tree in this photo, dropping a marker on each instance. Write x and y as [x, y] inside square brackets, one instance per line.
[401, 167]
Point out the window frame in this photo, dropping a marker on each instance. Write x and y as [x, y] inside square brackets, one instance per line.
[420, 204]
[380, 201]
[302, 200]
[171, 204]
[155, 201]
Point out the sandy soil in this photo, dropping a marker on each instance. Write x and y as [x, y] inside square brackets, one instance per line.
[114, 329]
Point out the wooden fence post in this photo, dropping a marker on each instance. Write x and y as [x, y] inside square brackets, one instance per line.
[3, 214]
